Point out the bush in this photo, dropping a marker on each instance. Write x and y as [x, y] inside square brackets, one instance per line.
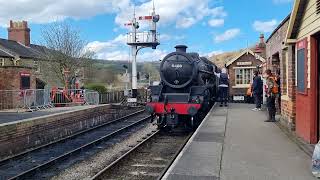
[97, 87]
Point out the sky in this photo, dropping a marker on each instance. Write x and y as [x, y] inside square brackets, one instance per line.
[206, 26]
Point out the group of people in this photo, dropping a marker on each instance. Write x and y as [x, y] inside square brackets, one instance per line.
[272, 90]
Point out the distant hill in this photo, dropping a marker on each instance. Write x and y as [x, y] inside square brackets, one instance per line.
[107, 72]
[221, 59]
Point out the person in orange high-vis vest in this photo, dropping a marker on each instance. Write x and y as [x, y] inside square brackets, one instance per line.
[272, 92]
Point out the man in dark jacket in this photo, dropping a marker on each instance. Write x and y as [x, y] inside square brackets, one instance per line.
[257, 89]
[223, 87]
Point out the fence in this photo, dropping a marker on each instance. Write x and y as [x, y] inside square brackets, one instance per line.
[118, 96]
[11, 99]
[35, 99]
[112, 97]
[69, 97]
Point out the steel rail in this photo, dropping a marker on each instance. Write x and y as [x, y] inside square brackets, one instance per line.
[77, 150]
[175, 157]
[68, 137]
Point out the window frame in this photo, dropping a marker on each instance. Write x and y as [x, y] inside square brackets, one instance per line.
[251, 68]
[24, 75]
[2, 61]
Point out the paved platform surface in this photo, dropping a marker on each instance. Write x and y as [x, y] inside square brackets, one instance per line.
[236, 144]
[6, 117]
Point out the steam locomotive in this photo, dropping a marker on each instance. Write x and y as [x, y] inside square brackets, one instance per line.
[187, 91]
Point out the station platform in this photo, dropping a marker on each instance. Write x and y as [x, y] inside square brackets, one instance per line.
[12, 116]
[235, 143]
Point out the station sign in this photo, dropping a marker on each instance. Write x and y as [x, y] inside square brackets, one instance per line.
[247, 63]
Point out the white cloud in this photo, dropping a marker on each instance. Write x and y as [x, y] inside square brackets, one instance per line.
[183, 13]
[116, 49]
[185, 22]
[265, 26]
[216, 22]
[212, 53]
[227, 35]
[281, 1]
[45, 11]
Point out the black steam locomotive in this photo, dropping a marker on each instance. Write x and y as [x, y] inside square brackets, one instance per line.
[187, 90]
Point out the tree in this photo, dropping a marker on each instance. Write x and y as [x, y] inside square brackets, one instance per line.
[148, 68]
[65, 50]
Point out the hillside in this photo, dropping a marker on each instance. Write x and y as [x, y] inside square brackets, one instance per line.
[221, 59]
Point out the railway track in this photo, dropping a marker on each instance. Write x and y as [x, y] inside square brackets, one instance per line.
[33, 164]
[150, 159]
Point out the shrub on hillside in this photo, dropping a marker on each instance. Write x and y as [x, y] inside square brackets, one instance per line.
[97, 87]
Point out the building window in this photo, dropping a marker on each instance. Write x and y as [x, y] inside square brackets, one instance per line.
[243, 76]
[2, 62]
[25, 81]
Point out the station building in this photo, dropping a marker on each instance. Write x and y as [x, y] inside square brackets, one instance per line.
[303, 37]
[24, 63]
[240, 70]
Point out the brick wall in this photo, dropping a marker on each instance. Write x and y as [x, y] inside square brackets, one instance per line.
[288, 104]
[17, 137]
[10, 82]
[10, 77]
[276, 47]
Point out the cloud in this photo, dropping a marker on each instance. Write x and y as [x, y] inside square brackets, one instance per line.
[281, 1]
[212, 53]
[227, 35]
[182, 13]
[46, 11]
[265, 26]
[116, 49]
[216, 22]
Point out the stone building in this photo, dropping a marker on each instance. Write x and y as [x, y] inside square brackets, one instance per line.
[18, 55]
[303, 39]
[279, 58]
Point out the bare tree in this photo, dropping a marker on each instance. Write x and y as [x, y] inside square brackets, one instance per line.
[65, 50]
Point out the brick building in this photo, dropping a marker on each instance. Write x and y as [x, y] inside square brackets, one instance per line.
[303, 38]
[240, 70]
[18, 56]
[279, 58]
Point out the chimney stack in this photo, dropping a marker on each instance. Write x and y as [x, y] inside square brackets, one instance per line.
[20, 32]
[181, 48]
[261, 38]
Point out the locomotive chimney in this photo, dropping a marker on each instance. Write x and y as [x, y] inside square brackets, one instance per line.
[181, 48]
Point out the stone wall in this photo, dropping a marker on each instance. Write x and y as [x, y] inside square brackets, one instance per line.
[16, 137]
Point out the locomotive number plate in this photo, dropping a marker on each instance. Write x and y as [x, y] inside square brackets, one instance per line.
[238, 98]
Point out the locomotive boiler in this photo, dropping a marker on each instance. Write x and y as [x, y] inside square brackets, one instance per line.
[187, 90]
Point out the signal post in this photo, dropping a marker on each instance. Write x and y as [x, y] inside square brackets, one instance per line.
[139, 40]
